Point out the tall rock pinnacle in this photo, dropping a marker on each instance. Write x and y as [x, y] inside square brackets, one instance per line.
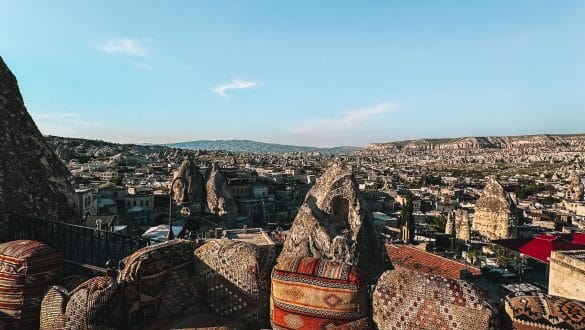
[192, 190]
[33, 181]
[219, 199]
[495, 212]
[334, 223]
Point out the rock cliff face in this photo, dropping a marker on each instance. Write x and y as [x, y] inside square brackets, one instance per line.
[495, 212]
[33, 181]
[219, 199]
[192, 191]
[333, 223]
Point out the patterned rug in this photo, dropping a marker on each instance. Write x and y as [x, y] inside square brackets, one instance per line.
[55, 301]
[405, 299]
[27, 268]
[94, 304]
[158, 281]
[312, 293]
[235, 277]
[537, 310]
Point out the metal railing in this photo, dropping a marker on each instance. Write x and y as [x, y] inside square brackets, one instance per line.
[80, 245]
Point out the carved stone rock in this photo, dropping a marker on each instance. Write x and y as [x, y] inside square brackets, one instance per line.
[450, 225]
[334, 223]
[576, 189]
[462, 226]
[192, 191]
[495, 212]
[33, 181]
[219, 199]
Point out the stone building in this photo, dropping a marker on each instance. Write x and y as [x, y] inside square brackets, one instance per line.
[495, 212]
[567, 274]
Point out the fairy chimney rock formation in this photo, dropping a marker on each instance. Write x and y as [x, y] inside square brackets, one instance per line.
[495, 212]
[219, 199]
[462, 227]
[33, 181]
[576, 189]
[450, 225]
[334, 223]
[192, 191]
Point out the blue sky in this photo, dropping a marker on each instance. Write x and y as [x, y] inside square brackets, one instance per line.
[319, 73]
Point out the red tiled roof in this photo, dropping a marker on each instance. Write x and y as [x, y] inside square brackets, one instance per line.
[425, 262]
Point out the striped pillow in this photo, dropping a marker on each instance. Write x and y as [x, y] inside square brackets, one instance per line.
[312, 293]
[27, 269]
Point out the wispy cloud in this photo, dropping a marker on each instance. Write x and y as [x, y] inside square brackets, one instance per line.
[233, 84]
[346, 120]
[141, 65]
[124, 46]
[62, 123]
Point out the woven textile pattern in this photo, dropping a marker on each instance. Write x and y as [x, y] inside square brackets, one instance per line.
[27, 269]
[158, 281]
[405, 299]
[537, 310]
[94, 304]
[55, 300]
[235, 277]
[313, 293]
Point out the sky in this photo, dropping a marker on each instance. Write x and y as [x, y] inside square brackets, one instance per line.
[318, 73]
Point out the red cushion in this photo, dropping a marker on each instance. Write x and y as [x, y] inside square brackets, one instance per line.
[310, 293]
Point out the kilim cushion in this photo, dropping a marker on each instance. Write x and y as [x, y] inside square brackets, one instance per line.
[537, 310]
[312, 293]
[200, 321]
[27, 269]
[94, 304]
[235, 277]
[158, 281]
[405, 299]
[55, 300]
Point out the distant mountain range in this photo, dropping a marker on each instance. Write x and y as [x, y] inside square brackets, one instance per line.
[257, 147]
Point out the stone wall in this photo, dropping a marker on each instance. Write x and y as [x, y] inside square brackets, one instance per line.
[567, 274]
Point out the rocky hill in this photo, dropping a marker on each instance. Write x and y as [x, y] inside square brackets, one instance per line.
[84, 149]
[257, 147]
[478, 143]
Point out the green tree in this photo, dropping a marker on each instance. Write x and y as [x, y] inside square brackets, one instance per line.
[504, 257]
[117, 180]
[473, 255]
[437, 223]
